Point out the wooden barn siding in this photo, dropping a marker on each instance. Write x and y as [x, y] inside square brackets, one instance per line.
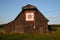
[19, 22]
[27, 27]
[42, 22]
[9, 28]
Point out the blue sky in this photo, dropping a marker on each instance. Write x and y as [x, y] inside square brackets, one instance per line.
[9, 9]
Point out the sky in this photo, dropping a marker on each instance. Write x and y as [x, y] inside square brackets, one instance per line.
[9, 9]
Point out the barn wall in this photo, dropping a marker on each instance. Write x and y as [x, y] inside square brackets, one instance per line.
[41, 23]
[20, 25]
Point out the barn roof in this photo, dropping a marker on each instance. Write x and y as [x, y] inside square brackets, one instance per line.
[29, 6]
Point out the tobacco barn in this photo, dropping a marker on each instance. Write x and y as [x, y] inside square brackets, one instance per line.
[29, 20]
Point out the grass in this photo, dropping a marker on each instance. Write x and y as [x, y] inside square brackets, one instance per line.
[50, 36]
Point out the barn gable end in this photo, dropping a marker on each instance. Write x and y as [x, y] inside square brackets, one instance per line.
[29, 20]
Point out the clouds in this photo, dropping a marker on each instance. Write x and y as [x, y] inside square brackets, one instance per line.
[54, 20]
[54, 17]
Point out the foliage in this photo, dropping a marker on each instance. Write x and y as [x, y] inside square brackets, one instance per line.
[1, 26]
[53, 27]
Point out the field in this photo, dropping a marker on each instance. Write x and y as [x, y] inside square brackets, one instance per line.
[29, 37]
[51, 36]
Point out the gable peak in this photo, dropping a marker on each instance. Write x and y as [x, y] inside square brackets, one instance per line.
[28, 6]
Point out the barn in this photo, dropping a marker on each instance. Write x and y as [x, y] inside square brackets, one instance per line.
[29, 20]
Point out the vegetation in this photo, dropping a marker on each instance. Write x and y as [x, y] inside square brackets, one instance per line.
[1, 26]
[29, 37]
[50, 36]
[54, 26]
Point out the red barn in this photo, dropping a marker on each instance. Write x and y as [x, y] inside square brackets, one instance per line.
[29, 20]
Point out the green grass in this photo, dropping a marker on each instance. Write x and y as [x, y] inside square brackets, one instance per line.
[50, 36]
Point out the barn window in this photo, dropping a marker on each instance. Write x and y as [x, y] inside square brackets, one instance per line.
[29, 16]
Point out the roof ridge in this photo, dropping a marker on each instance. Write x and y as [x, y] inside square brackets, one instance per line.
[28, 6]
